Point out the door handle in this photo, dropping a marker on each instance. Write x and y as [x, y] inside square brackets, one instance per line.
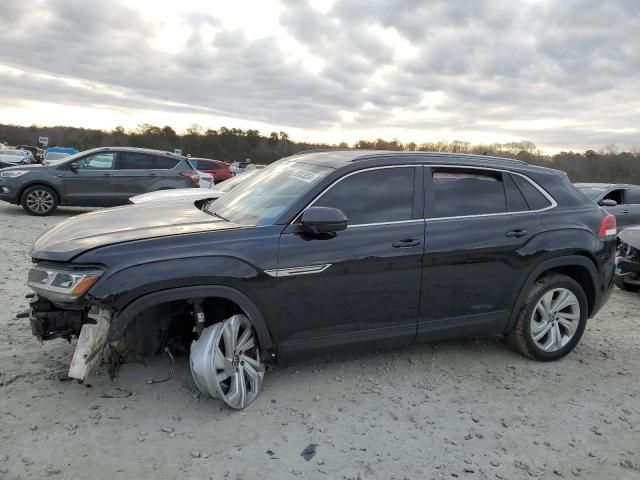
[625, 211]
[517, 233]
[107, 174]
[407, 243]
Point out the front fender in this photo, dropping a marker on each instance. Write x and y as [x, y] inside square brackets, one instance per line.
[118, 289]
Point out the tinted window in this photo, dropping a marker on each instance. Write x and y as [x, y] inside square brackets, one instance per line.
[166, 163]
[135, 161]
[535, 198]
[203, 164]
[633, 195]
[98, 161]
[515, 199]
[384, 195]
[459, 193]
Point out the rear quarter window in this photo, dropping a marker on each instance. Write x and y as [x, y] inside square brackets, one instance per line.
[534, 197]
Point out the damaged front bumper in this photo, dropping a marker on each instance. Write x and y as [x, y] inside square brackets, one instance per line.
[91, 327]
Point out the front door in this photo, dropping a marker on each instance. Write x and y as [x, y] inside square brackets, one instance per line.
[91, 183]
[361, 284]
[479, 232]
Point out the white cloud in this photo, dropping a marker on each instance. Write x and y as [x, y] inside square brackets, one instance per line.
[561, 73]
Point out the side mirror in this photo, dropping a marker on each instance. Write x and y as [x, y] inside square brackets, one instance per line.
[607, 202]
[318, 220]
[73, 166]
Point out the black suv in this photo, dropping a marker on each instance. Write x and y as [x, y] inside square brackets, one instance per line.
[101, 177]
[325, 250]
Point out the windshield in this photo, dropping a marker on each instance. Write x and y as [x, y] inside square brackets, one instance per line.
[55, 161]
[264, 197]
[591, 191]
[55, 156]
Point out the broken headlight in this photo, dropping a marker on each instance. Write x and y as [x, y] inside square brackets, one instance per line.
[59, 285]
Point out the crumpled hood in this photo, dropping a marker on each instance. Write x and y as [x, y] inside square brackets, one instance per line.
[631, 236]
[121, 224]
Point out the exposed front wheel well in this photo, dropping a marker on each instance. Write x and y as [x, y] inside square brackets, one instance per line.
[174, 324]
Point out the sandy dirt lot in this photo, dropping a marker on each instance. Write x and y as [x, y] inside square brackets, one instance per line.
[466, 409]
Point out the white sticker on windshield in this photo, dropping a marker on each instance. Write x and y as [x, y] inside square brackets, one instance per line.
[304, 175]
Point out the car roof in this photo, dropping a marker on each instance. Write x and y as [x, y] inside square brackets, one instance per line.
[207, 159]
[150, 151]
[340, 158]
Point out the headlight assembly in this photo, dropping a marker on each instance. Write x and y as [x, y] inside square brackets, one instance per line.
[60, 285]
[13, 173]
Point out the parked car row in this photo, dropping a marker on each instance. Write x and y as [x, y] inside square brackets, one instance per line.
[397, 247]
[15, 156]
[100, 177]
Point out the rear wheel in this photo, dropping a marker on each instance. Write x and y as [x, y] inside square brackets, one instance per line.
[552, 320]
[39, 200]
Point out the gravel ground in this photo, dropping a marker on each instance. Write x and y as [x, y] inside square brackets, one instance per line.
[464, 409]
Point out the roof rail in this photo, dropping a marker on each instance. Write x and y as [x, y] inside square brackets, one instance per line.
[317, 150]
[447, 155]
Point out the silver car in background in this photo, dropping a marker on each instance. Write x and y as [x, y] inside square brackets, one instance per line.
[194, 194]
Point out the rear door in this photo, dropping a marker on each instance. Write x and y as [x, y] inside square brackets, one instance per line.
[91, 183]
[632, 205]
[361, 284]
[136, 173]
[478, 230]
[172, 170]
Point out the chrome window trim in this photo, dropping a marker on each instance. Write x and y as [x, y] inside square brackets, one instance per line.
[319, 196]
[546, 195]
[552, 201]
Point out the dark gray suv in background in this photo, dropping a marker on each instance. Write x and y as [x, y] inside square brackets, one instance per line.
[101, 177]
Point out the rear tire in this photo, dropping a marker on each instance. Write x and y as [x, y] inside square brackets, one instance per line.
[39, 200]
[552, 320]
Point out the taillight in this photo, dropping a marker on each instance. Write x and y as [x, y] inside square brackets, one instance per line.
[608, 226]
[192, 176]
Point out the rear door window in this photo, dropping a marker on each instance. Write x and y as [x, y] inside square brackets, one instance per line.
[165, 163]
[460, 192]
[373, 196]
[633, 196]
[515, 199]
[136, 161]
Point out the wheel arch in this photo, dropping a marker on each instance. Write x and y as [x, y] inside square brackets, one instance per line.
[122, 319]
[35, 183]
[578, 267]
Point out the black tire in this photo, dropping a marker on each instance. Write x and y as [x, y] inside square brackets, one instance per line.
[521, 337]
[622, 285]
[47, 205]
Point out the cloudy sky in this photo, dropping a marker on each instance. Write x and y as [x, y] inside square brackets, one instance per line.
[564, 74]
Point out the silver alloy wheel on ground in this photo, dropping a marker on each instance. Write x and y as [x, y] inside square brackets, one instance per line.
[555, 319]
[39, 201]
[225, 362]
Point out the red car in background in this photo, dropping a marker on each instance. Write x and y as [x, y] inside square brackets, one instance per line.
[218, 169]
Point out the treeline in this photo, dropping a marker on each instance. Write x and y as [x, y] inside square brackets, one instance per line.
[233, 144]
